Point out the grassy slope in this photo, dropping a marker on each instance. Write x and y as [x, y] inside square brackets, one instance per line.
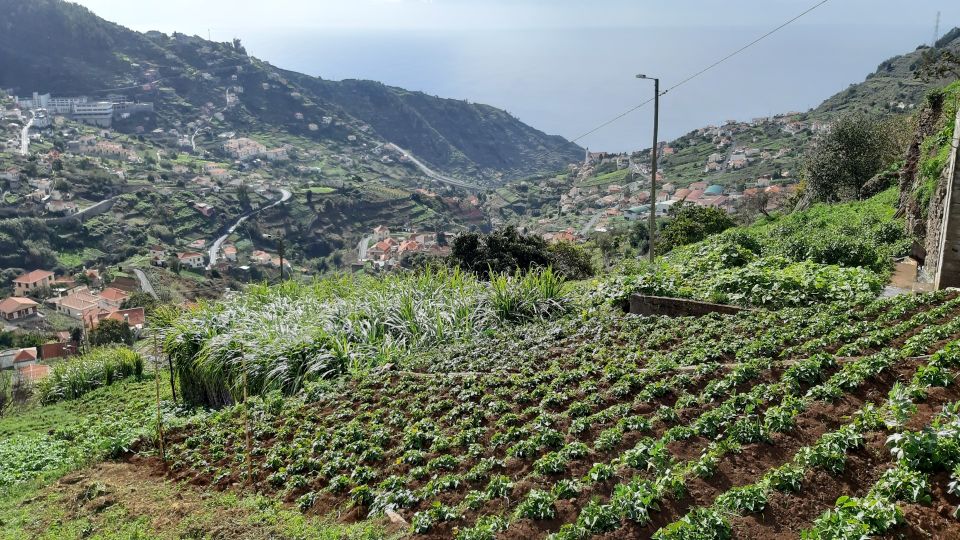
[107, 500]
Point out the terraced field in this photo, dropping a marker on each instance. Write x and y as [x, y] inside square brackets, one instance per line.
[839, 421]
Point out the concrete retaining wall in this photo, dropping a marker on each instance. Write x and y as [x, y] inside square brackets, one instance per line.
[677, 307]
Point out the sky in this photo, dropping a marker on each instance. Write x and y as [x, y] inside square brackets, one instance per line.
[225, 18]
[566, 66]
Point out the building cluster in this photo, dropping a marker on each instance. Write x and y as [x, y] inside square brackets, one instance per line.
[81, 108]
[93, 145]
[89, 303]
[243, 149]
[385, 249]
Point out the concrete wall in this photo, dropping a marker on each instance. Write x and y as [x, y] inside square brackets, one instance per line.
[948, 266]
[676, 307]
[101, 207]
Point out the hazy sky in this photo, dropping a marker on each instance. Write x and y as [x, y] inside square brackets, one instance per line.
[565, 66]
[225, 18]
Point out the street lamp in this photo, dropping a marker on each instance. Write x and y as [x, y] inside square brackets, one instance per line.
[652, 223]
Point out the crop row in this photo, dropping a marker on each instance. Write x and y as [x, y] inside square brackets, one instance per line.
[472, 450]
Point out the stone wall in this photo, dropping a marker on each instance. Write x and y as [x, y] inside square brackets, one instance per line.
[677, 307]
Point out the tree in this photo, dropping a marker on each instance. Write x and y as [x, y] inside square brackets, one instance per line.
[139, 299]
[937, 64]
[688, 223]
[639, 236]
[842, 160]
[111, 331]
[243, 196]
[571, 260]
[502, 251]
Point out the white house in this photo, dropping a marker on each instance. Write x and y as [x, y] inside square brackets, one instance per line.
[191, 259]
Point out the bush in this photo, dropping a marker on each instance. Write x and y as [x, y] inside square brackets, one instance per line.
[76, 376]
[688, 223]
[281, 337]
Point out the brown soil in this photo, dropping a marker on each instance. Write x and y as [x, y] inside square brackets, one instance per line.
[933, 521]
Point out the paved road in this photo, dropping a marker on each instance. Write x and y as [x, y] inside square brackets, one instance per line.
[589, 226]
[205, 119]
[145, 284]
[214, 252]
[430, 172]
[362, 247]
[25, 136]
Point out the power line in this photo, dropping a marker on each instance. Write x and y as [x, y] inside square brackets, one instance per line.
[694, 75]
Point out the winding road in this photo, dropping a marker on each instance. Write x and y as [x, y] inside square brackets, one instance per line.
[589, 226]
[362, 247]
[430, 172]
[25, 136]
[214, 252]
[145, 284]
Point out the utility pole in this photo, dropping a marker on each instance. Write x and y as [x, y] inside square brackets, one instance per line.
[936, 31]
[652, 222]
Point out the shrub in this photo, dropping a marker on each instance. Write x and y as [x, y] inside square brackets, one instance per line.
[76, 376]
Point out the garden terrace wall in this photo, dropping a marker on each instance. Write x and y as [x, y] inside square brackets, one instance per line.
[677, 307]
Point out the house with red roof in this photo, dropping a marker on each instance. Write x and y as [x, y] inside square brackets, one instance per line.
[14, 358]
[192, 259]
[32, 282]
[113, 297]
[380, 232]
[134, 317]
[17, 307]
[260, 257]
[78, 304]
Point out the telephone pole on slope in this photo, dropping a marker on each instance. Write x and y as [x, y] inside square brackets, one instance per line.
[652, 222]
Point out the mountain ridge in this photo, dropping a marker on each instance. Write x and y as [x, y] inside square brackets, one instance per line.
[53, 45]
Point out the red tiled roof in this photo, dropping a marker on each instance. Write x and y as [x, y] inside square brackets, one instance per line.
[16, 303]
[33, 277]
[113, 294]
[25, 355]
[133, 316]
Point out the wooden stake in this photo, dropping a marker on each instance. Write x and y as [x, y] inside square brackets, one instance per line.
[156, 380]
[246, 418]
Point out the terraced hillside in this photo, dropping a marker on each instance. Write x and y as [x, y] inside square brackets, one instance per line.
[840, 420]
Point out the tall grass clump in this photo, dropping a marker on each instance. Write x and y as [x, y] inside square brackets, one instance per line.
[79, 375]
[279, 337]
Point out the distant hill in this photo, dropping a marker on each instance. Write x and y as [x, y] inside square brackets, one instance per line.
[892, 84]
[63, 48]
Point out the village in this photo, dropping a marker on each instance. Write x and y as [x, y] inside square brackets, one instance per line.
[85, 300]
[612, 188]
[386, 249]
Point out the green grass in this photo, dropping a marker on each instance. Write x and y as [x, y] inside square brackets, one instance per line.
[608, 178]
[44, 442]
[320, 190]
[827, 253]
